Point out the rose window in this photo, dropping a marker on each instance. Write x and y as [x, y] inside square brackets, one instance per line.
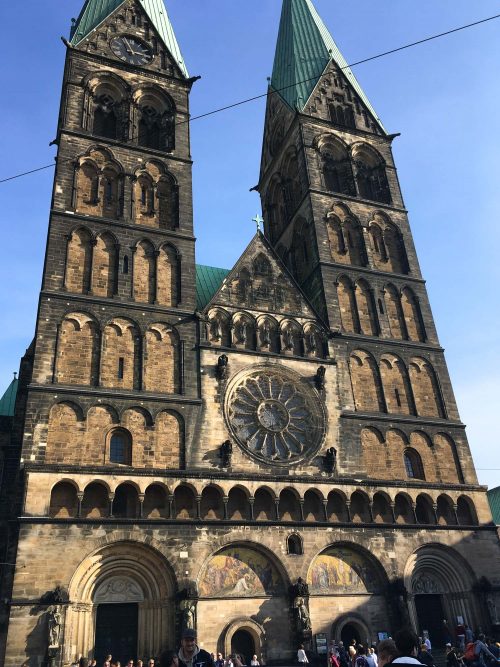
[275, 415]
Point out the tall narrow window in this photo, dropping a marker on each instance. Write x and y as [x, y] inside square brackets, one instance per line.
[121, 368]
[413, 465]
[398, 397]
[119, 448]
[125, 264]
[94, 190]
[109, 191]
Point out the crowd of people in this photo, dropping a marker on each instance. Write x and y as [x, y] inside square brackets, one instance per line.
[405, 650]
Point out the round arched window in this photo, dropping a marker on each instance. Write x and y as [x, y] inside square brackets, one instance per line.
[120, 450]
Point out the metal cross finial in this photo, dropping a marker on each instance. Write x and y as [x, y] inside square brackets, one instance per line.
[258, 221]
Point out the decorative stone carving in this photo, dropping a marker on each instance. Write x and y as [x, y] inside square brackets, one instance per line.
[118, 589]
[330, 460]
[188, 601]
[226, 453]
[425, 584]
[274, 415]
[54, 626]
[319, 378]
[222, 365]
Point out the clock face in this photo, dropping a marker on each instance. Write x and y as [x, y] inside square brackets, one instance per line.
[132, 50]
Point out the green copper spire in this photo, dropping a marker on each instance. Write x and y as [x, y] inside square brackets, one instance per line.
[304, 49]
[94, 12]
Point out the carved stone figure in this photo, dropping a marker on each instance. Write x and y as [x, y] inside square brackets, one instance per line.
[330, 460]
[320, 378]
[288, 339]
[311, 342]
[215, 329]
[265, 334]
[226, 453]
[54, 626]
[302, 614]
[242, 332]
[222, 367]
[492, 608]
[188, 610]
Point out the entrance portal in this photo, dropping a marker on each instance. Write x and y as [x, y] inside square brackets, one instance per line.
[242, 643]
[350, 632]
[430, 617]
[116, 632]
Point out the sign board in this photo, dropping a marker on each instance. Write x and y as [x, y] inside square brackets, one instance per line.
[321, 644]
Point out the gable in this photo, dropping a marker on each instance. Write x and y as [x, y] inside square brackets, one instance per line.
[279, 117]
[261, 282]
[95, 14]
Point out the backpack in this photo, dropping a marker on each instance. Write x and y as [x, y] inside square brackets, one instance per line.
[469, 652]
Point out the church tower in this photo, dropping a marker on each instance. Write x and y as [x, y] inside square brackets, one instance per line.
[334, 212]
[111, 385]
[270, 454]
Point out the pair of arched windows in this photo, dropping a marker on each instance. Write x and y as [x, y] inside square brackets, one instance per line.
[361, 172]
[110, 112]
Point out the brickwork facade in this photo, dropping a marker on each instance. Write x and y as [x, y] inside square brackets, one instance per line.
[302, 425]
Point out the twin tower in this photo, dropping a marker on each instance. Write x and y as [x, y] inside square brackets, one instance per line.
[270, 454]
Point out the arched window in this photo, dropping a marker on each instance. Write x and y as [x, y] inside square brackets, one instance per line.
[371, 176]
[120, 449]
[156, 126]
[413, 465]
[105, 120]
[294, 545]
[337, 169]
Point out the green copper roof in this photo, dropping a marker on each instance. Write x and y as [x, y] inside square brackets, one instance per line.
[8, 400]
[494, 501]
[304, 49]
[94, 12]
[208, 281]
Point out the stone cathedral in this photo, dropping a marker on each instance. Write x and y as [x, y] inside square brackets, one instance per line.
[271, 453]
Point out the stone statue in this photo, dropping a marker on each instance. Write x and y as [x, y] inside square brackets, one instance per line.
[215, 329]
[188, 610]
[288, 339]
[311, 342]
[226, 453]
[302, 614]
[265, 334]
[302, 588]
[492, 608]
[330, 460]
[54, 623]
[320, 378]
[222, 369]
[242, 332]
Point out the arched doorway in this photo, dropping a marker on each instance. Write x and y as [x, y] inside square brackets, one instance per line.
[349, 632]
[440, 583]
[117, 619]
[243, 645]
[124, 596]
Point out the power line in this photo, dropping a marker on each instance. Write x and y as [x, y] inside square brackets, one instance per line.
[315, 78]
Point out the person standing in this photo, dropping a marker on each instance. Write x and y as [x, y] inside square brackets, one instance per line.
[301, 656]
[190, 654]
[254, 662]
[220, 662]
[452, 659]
[361, 660]
[407, 645]
[387, 652]
[425, 657]
[343, 657]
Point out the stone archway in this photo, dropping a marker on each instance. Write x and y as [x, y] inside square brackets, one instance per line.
[439, 583]
[349, 627]
[243, 589]
[240, 635]
[136, 578]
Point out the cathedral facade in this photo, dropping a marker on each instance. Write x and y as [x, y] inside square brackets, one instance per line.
[271, 454]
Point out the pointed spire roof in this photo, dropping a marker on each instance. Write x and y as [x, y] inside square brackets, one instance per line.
[304, 49]
[8, 400]
[94, 12]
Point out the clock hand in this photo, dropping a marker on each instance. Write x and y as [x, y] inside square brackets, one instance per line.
[127, 46]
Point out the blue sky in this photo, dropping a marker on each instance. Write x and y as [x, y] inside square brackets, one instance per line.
[443, 97]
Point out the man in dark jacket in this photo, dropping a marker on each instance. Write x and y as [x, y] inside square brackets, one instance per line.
[190, 655]
[407, 645]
